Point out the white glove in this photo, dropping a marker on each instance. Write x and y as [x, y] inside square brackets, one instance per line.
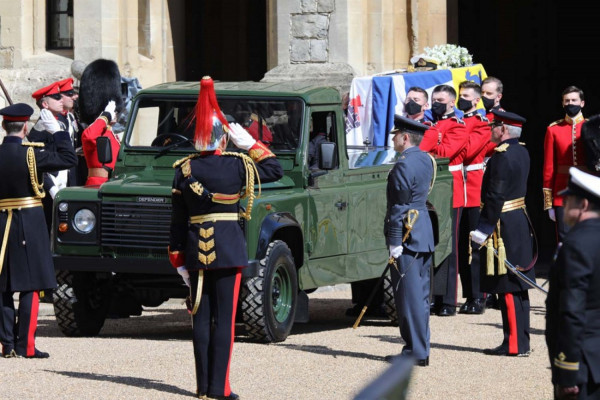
[552, 214]
[478, 237]
[59, 182]
[185, 275]
[240, 137]
[110, 108]
[396, 251]
[48, 121]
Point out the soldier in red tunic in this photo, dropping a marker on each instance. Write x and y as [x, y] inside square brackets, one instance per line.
[562, 149]
[448, 138]
[473, 166]
[100, 102]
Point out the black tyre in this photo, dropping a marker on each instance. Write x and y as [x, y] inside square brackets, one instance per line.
[79, 304]
[269, 300]
[388, 299]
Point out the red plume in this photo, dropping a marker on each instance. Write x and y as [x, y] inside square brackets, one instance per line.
[205, 108]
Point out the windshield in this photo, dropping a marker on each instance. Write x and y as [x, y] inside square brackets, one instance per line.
[163, 122]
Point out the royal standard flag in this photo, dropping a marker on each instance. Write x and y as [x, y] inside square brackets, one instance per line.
[375, 99]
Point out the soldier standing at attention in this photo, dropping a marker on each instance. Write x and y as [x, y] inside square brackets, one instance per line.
[448, 137]
[473, 166]
[207, 243]
[504, 227]
[25, 258]
[409, 236]
[573, 303]
[562, 150]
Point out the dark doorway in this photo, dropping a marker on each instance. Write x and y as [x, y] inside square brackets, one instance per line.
[537, 48]
[225, 39]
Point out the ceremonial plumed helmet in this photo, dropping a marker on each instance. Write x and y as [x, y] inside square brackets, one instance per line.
[590, 134]
[100, 83]
[211, 124]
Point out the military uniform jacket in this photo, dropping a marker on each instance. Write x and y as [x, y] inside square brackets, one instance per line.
[479, 138]
[505, 179]
[407, 188]
[448, 137]
[573, 307]
[563, 148]
[219, 244]
[28, 259]
[39, 135]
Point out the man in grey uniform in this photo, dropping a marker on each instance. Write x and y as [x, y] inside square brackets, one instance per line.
[409, 236]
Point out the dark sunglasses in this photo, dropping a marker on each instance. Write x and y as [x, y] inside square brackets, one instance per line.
[55, 96]
[68, 93]
[494, 124]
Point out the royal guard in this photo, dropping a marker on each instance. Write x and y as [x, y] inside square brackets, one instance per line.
[473, 166]
[504, 232]
[562, 149]
[100, 101]
[448, 138]
[207, 242]
[25, 259]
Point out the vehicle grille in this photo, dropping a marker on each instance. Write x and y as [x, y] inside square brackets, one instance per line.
[136, 229]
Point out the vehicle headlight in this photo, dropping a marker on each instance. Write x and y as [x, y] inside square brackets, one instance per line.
[84, 221]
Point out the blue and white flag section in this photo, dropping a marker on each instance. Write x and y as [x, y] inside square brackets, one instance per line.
[375, 99]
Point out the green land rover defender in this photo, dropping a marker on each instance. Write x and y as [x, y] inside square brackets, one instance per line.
[314, 227]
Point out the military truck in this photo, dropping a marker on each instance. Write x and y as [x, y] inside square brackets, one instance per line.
[312, 228]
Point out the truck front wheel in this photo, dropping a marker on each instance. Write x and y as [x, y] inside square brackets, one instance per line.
[269, 300]
[388, 299]
[79, 304]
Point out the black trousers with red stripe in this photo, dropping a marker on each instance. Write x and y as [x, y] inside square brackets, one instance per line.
[514, 308]
[214, 328]
[469, 272]
[17, 328]
[445, 276]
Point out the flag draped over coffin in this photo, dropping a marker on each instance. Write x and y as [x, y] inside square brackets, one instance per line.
[375, 99]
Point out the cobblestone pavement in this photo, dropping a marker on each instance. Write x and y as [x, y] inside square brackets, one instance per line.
[150, 357]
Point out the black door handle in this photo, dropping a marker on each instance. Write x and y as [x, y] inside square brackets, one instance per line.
[341, 205]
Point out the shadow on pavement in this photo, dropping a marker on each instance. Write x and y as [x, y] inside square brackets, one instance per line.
[126, 380]
[324, 350]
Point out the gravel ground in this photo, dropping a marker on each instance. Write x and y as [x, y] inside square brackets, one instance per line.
[150, 357]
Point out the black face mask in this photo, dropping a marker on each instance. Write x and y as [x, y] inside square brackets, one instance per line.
[572, 110]
[412, 107]
[488, 104]
[464, 105]
[438, 109]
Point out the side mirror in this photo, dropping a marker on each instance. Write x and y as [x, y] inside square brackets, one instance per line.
[328, 159]
[104, 150]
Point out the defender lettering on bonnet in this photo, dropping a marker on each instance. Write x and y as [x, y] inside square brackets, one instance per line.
[149, 199]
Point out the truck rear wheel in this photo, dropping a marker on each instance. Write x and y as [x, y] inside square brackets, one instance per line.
[79, 305]
[388, 299]
[269, 300]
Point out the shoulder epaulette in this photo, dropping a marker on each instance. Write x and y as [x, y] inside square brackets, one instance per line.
[33, 144]
[482, 117]
[502, 148]
[556, 122]
[178, 163]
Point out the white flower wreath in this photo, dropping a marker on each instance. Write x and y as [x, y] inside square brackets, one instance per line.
[449, 55]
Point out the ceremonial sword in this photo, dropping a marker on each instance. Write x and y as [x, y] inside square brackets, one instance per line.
[521, 275]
